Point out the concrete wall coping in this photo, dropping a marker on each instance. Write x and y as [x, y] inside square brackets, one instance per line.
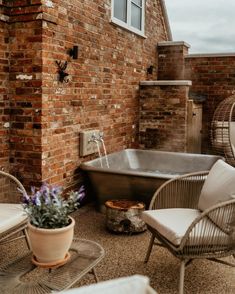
[172, 43]
[210, 55]
[166, 83]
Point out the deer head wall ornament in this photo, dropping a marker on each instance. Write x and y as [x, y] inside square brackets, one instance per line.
[63, 76]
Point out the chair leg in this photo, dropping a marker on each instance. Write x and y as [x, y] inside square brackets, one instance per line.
[25, 232]
[181, 282]
[149, 248]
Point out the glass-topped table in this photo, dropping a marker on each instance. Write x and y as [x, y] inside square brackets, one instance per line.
[22, 276]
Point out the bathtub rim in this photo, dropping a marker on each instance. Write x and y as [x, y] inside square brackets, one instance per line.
[87, 166]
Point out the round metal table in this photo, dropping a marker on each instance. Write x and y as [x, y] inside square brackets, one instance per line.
[22, 276]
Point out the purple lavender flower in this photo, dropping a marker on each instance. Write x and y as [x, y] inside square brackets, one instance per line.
[36, 199]
[47, 208]
[55, 191]
[81, 193]
[25, 198]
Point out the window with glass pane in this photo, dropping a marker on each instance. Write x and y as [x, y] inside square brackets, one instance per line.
[120, 9]
[137, 2]
[129, 14]
[136, 16]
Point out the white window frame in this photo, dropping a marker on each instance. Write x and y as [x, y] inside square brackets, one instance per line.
[127, 25]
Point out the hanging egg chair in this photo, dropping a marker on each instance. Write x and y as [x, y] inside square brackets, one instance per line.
[223, 130]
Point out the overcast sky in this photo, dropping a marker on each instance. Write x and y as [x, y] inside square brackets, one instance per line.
[207, 25]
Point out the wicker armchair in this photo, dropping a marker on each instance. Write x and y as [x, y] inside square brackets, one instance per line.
[189, 228]
[13, 220]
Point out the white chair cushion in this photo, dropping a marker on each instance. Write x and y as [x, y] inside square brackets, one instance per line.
[219, 185]
[136, 284]
[173, 223]
[10, 216]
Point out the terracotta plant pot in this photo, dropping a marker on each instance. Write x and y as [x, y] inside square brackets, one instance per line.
[50, 246]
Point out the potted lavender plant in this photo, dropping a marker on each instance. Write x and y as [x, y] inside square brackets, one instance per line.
[51, 228]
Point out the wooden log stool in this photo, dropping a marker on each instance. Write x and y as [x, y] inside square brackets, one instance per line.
[123, 216]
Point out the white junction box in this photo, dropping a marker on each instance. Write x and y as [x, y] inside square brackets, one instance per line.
[87, 143]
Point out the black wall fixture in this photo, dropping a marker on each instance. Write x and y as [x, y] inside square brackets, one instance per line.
[73, 52]
[61, 71]
[150, 70]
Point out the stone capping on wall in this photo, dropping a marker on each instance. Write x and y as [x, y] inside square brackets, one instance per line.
[173, 43]
[166, 83]
[198, 55]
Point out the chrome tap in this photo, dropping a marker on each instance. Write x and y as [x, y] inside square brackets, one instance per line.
[93, 139]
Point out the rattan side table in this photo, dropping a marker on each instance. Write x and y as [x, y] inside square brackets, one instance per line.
[22, 276]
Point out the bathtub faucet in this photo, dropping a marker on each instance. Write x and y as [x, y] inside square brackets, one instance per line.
[93, 139]
[101, 137]
[99, 141]
[96, 138]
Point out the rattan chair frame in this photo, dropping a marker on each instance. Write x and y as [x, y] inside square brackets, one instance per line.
[221, 129]
[19, 231]
[184, 192]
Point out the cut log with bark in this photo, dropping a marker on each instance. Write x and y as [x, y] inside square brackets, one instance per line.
[123, 216]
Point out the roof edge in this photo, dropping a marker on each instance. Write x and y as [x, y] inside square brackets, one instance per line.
[167, 23]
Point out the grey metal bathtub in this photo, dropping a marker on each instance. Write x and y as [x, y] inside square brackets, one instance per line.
[136, 174]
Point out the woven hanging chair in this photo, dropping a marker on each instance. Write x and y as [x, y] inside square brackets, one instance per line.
[223, 130]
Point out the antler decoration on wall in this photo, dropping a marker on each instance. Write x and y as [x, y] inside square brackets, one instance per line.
[61, 70]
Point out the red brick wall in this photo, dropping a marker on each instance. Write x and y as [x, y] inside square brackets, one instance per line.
[171, 61]
[163, 117]
[103, 88]
[213, 78]
[25, 93]
[4, 99]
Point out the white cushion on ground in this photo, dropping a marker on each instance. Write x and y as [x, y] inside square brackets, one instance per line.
[136, 284]
[173, 223]
[10, 216]
[219, 185]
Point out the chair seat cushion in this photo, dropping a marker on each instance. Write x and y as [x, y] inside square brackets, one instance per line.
[173, 223]
[10, 216]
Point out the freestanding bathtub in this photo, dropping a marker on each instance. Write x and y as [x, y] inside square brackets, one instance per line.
[136, 174]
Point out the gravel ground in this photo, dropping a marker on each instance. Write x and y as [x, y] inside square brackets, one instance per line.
[124, 255]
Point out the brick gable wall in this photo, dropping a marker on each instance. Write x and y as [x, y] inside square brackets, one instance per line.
[102, 93]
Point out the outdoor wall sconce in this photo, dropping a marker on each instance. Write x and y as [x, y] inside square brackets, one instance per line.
[150, 70]
[63, 76]
[73, 52]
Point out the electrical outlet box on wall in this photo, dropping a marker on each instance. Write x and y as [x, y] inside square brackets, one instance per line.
[87, 144]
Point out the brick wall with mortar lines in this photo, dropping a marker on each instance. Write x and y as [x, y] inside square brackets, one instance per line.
[46, 115]
[213, 78]
[25, 94]
[163, 116]
[4, 86]
[171, 61]
[103, 91]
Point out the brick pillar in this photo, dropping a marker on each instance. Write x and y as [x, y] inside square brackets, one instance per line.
[171, 61]
[25, 91]
[163, 115]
